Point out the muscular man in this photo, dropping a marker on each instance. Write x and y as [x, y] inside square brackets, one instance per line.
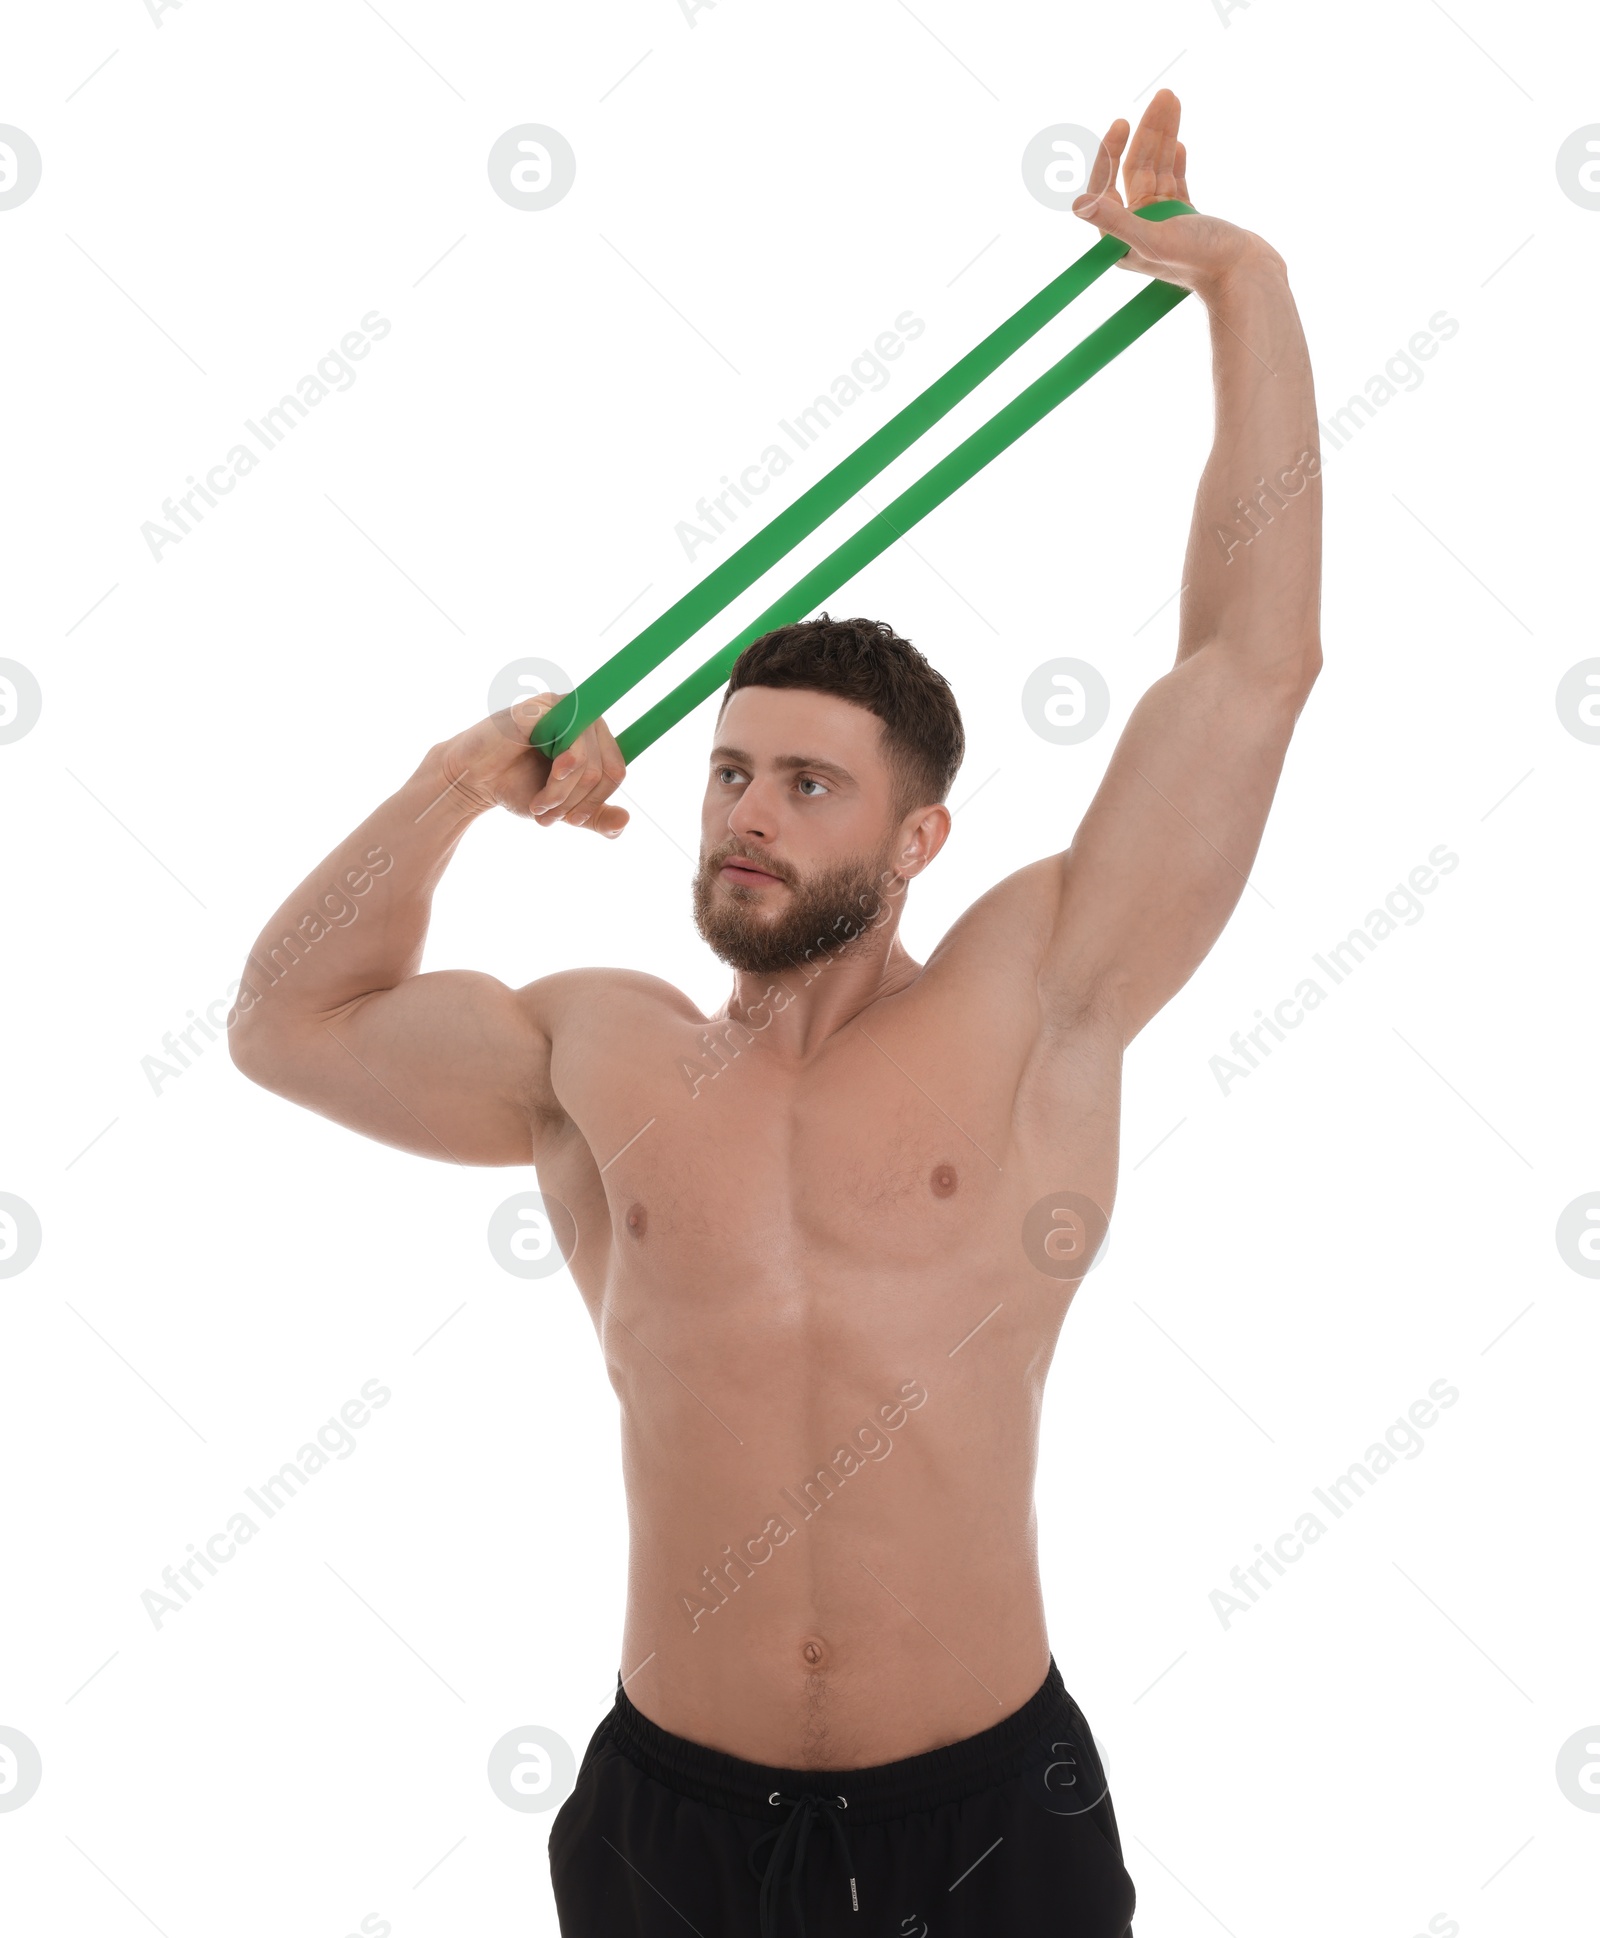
[828, 1236]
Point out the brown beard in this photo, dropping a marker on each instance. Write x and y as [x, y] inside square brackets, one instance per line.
[826, 914]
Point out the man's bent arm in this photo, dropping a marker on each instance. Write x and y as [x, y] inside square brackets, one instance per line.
[332, 1012]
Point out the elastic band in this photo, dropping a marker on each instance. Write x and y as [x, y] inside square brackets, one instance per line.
[900, 514]
[579, 709]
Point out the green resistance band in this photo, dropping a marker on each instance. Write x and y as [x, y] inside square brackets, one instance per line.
[562, 725]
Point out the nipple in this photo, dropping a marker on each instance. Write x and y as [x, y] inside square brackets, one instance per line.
[638, 1219]
[943, 1180]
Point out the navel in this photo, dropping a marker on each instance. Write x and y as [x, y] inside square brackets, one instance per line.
[943, 1180]
[814, 1653]
[638, 1219]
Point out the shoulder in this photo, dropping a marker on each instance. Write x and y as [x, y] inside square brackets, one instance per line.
[1013, 946]
[590, 1025]
[1008, 928]
[570, 994]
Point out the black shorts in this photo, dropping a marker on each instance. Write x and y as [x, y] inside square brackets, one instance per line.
[1006, 1833]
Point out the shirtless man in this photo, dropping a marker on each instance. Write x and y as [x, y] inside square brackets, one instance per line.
[828, 1236]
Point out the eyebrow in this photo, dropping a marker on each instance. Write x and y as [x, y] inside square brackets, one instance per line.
[740, 758]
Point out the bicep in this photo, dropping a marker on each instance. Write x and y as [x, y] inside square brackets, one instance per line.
[452, 1065]
[1164, 851]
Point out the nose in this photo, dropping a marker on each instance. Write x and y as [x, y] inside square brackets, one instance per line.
[751, 817]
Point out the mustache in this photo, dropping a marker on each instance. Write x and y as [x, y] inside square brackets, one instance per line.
[732, 851]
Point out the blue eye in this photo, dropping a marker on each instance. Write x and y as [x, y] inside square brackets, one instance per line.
[807, 781]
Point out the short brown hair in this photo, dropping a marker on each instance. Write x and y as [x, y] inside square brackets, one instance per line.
[865, 661]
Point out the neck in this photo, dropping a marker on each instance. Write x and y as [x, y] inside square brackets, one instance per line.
[798, 1008]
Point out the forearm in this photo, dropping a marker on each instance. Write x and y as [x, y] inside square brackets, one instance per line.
[358, 921]
[1252, 574]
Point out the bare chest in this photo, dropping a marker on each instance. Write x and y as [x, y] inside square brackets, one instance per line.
[899, 1151]
[851, 1163]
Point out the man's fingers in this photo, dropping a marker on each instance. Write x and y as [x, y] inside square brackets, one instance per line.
[1150, 252]
[580, 780]
[1153, 141]
[1153, 170]
[527, 713]
[1104, 173]
[583, 807]
[1112, 219]
[567, 777]
[595, 813]
[1138, 172]
[562, 791]
[610, 820]
[603, 772]
[1167, 152]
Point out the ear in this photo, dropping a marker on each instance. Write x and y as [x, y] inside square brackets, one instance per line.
[922, 834]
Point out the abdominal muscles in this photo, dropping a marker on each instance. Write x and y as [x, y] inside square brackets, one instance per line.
[828, 1450]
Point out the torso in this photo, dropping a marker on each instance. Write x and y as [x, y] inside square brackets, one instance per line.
[821, 1265]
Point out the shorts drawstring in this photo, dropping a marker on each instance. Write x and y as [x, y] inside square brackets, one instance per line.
[790, 1842]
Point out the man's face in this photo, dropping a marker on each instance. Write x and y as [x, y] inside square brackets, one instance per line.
[798, 831]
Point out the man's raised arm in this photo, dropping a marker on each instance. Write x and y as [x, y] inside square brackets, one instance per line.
[1163, 852]
[331, 1011]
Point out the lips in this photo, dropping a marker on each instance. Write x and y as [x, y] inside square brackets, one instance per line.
[747, 874]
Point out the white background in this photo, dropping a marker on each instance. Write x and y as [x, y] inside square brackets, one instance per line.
[760, 192]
